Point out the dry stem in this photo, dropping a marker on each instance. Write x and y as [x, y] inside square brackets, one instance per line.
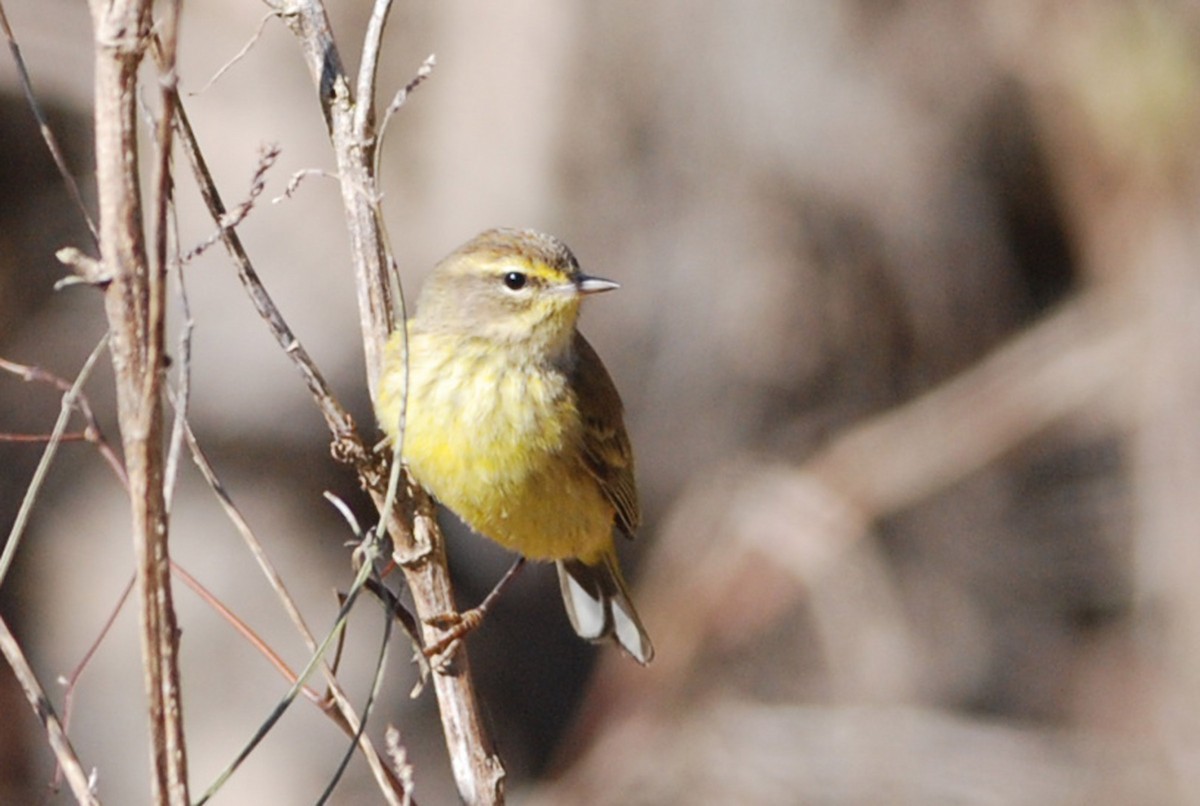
[135, 302]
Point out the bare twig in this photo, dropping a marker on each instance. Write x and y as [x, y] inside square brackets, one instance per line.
[237, 215]
[368, 69]
[237, 57]
[59, 743]
[478, 771]
[135, 302]
[244, 630]
[401, 97]
[295, 180]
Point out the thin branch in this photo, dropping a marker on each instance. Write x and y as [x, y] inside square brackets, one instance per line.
[77, 779]
[237, 215]
[244, 630]
[159, 616]
[368, 69]
[74, 436]
[237, 57]
[298, 177]
[401, 98]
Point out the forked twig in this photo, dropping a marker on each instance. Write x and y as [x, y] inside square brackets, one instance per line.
[92, 432]
[39, 474]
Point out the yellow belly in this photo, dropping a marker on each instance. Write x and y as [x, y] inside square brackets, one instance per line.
[497, 441]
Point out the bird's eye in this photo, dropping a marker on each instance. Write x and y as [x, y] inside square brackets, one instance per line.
[515, 280]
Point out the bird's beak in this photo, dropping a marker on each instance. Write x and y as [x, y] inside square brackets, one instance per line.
[594, 285]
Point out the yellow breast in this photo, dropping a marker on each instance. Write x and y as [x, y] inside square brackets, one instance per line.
[498, 441]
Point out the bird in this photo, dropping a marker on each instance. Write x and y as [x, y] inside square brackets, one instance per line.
[512, 421]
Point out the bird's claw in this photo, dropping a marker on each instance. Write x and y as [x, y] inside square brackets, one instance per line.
[456, 627]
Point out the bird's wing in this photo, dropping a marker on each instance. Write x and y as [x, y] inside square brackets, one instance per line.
[606, 450]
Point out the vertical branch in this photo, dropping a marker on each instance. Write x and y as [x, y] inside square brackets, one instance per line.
[478, 771]
[135, 306]
[353, 152]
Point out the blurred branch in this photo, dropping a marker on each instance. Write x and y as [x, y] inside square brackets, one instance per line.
[744, 527]
[1037, 378]
[735, 750]
[135, 302]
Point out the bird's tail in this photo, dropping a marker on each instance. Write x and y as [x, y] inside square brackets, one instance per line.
[598, 605]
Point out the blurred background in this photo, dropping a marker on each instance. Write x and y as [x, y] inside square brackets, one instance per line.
[909, 339]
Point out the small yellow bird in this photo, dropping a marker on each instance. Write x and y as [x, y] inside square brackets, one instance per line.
[513, 422]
